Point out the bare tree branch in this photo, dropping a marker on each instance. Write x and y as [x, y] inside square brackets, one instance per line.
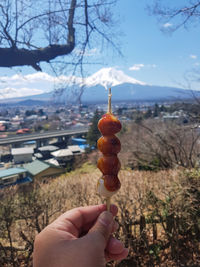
[22, 27]
[181, 15]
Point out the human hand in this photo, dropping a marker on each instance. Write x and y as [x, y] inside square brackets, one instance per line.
[80, 237]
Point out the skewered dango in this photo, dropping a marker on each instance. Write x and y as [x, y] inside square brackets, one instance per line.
[110, 146]
[109, 124]
[109, 164]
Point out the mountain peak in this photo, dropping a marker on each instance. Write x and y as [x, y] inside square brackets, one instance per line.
[108, 77]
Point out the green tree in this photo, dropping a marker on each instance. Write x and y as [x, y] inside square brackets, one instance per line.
[163, 108]
[156, 110]
[93, 133]
[148, 114]
[41, 112]
[30, 112]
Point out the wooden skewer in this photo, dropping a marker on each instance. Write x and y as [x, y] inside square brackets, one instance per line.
[109, 101]
[108, 199]
[108, 202]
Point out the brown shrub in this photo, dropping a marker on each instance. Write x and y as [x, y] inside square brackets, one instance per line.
[158, 215]
[154, 145]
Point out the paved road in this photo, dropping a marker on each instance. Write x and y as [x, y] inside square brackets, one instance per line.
[41, 136]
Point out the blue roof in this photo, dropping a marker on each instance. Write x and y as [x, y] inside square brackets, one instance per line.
[11, 171]
[29, 142]
[19, 181]
[24, 180]
[80, 140]
[84, 146]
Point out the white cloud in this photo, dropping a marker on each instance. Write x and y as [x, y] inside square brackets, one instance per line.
[40, 80]
[18, 79]
[10, 92]
[193, 56]
[167, 25]
[20, 85]
[31, 84]
[136, 67]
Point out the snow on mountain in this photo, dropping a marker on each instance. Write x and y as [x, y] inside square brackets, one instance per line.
[108, 77]
[37, 83]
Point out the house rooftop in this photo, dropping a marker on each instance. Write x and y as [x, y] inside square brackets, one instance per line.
[38, 155]
[22, 151]
[80, 140]
[48, 148]
[75, 149]
[52, 161]
[62, 153]
[11, 171]
[38, 166]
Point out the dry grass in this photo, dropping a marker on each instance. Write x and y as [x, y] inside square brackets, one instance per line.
[147, 201]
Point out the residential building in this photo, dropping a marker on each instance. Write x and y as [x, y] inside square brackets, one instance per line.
[47, 150]
[63, 154]
[76, 150]
[53, 161]
[22, 155]
[39, 169]
[14, 176]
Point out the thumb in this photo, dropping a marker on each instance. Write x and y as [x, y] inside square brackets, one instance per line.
[103, 227]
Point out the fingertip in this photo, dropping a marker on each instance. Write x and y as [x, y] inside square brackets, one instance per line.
[118, 257]
[114, 246]
[123, 255]
[125, 252]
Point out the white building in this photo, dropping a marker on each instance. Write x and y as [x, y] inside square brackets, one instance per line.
[63, 154]
[22, 155]
[76, 150]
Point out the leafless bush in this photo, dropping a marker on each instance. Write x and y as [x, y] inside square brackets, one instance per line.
[158, 215]
[153, 145]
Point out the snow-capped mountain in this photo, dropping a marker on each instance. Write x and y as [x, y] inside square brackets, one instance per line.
[109, 77]
[41, 86]
[37, 83]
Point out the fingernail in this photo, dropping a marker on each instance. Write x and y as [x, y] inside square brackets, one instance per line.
[116, 242]
[113, 209]
[115, 226]
[105, 218]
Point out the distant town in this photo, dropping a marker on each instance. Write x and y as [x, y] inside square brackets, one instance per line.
[44, 141]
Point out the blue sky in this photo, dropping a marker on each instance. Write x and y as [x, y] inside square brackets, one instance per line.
[149, 55]
[166, 57]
